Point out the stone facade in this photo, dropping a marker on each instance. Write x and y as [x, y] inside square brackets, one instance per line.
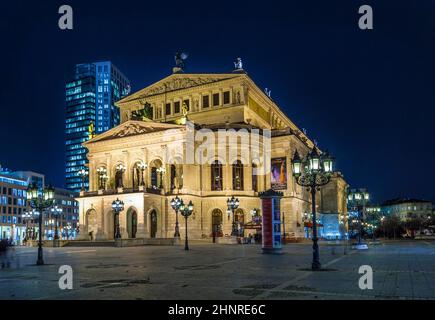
[178, 109]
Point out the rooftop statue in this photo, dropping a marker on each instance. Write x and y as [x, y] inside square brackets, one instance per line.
[238, 64]
[180, 58]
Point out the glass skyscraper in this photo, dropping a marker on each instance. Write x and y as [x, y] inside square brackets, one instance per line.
[90, 98]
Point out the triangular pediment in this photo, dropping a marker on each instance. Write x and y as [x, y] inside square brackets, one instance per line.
[178, 81]
[133, 128]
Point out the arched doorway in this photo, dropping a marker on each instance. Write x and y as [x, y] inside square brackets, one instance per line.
[131, 223]
[216, 223]
[91, 224]
[153, 224]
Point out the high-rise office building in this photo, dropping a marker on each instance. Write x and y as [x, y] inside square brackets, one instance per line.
[90, 103]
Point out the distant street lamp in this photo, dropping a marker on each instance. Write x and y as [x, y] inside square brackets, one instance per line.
[186, 211]
[40, 201]
[313, 172]
[68, 230]
[83, 174]
[56, 212]
[121, 169]
[233, 204]
[117, 206]
[175, 204]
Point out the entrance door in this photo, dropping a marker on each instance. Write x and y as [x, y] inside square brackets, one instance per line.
[216, 223]
[133, 224]
[153, 217]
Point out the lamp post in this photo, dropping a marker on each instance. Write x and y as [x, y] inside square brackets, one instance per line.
[175, 204]
[186, 211]
[142, 167]
[40, 201]
[83, 174]
[161, 171]
[56, 212]
[102, 174]
[233, 204]
[313, 172]
[117, 206]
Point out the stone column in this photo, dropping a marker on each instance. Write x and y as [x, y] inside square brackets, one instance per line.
[101, 230]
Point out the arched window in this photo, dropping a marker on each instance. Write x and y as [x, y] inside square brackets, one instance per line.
[237, 175]
[119, 175]
[216, 176]
[136, 175]
[254, 177]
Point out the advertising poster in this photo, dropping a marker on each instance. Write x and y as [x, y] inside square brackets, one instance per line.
[279, 173]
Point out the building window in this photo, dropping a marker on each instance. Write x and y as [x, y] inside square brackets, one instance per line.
[168, 109]
[237, 175]
[226, 97]
[177, 107]
[205, 101]
[254, 178]
[215, 99]
[216, 176]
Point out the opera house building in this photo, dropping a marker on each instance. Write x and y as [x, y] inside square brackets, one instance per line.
[202, 138]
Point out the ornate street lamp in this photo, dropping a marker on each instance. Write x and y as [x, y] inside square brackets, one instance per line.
[40, 201]
[117, 206]
[121, 169]
[186, 211]
[83, 174]
[142, 167]
[233, 204]
[161, 171]
[313, 172]
[175, 204]
[102, 175]
[56, 212]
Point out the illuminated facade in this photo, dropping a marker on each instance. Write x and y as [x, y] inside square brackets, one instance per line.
[157, 153]
[90, 101]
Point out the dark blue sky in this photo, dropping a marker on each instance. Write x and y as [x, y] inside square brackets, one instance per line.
[367, 96]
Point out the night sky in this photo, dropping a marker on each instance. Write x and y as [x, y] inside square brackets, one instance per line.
[367, 96]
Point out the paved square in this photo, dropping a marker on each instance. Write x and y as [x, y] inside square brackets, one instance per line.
[402, 270]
